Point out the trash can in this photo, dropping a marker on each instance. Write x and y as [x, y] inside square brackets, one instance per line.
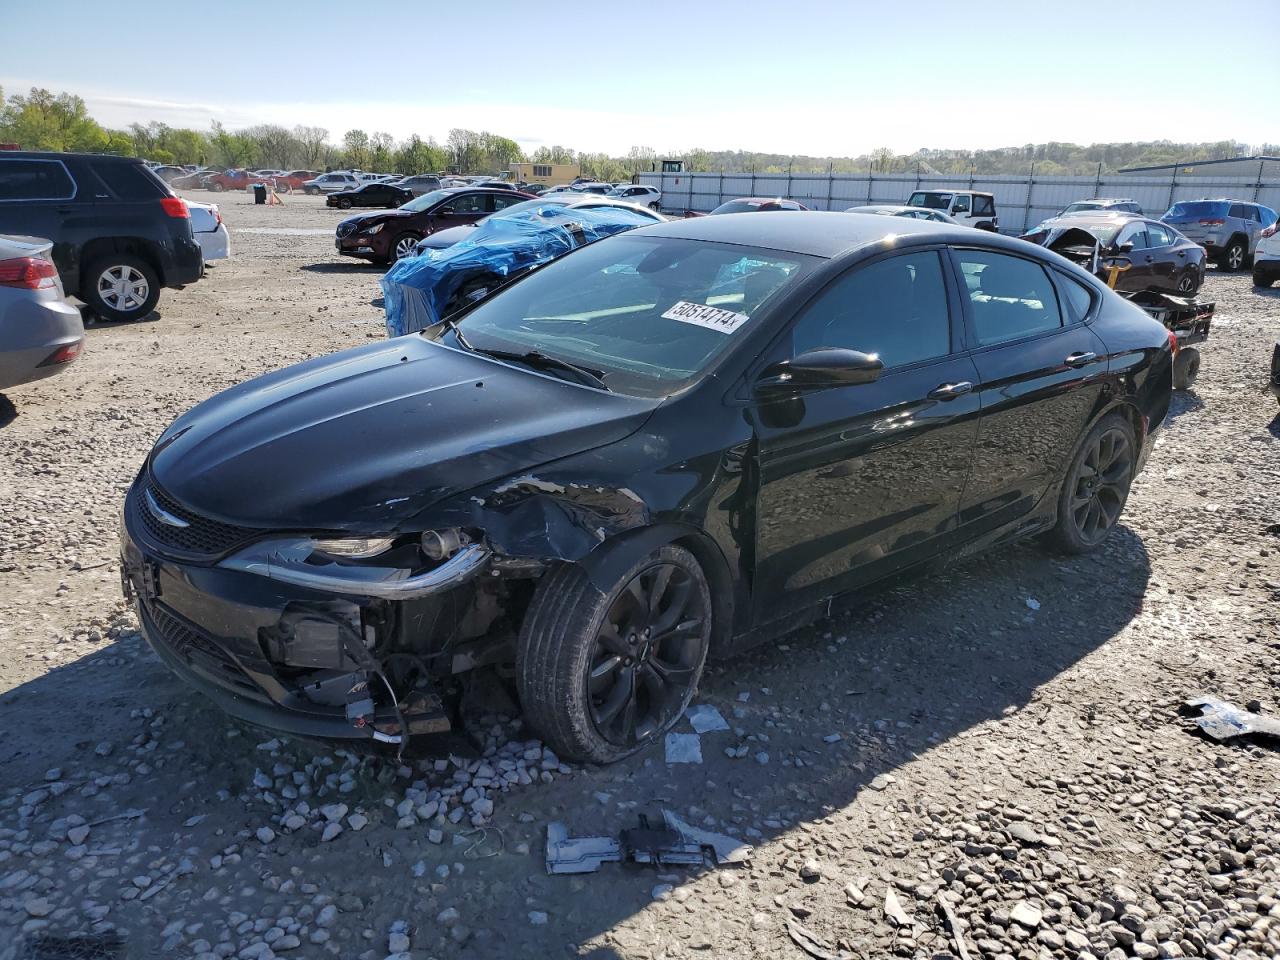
[259, 193]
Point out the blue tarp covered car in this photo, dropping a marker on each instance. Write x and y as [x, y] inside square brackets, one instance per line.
[420, 291]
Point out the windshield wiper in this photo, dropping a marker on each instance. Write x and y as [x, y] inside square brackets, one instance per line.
[535, 358]
[452, 324]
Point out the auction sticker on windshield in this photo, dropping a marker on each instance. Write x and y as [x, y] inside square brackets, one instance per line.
[701, 315]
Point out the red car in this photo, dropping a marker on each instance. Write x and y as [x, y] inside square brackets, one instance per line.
[231, 180]
[294, 180]
[388, 235]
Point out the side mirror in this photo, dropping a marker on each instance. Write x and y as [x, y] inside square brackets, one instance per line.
[1125, 247]
[822, 367]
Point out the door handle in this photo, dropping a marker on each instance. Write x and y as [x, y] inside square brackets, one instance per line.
[1080, 359]
[1182, 253]
[949, 391]
[1149, 259]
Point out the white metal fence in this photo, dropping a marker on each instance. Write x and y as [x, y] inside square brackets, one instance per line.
[1021, 201]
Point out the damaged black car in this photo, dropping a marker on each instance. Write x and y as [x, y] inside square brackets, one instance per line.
[669, 444]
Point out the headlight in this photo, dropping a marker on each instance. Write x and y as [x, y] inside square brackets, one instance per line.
[372, 230]
[355, 548]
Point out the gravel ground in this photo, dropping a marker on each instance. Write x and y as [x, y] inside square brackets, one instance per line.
[1001, 743]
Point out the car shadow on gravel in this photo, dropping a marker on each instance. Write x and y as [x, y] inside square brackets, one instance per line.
[1184, 401]
[8, 412]
[343, 267]
[822, 723]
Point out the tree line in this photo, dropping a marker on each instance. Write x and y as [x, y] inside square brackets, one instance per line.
[42, 120]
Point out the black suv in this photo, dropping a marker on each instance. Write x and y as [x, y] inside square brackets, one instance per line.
[119, 234]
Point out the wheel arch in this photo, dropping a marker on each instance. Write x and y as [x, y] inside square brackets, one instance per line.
[133, 246]
[606, 563]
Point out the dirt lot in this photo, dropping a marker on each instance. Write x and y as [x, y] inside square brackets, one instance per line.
[1003, 739]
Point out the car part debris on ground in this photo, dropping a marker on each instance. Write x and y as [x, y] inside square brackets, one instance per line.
[1222, 720]
[676, 844]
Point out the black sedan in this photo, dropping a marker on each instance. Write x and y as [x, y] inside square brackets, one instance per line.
[1144, 254]
[674, 442]
[370, 195]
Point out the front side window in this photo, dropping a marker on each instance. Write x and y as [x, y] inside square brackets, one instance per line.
[961, 205]
[1136, 234]
[34, 180]
[894, 308]
[1009, 297]
[650, 313]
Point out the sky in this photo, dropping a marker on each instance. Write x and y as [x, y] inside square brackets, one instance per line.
[793, 77]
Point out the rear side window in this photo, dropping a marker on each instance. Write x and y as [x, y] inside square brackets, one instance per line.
[1160, 236]
[1239, 211]
[1078, 297]
[130, 181]
[1010, 297]
[983, 206]
[35, 180]
[896, 308]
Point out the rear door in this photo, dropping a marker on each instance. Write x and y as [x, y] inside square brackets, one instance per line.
[40, 198]
[858, 481]
[1041, 374]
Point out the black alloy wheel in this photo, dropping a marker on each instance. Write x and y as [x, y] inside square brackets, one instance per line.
[602, 672]
[1098, 485]
[648, 652]
[1187, 283]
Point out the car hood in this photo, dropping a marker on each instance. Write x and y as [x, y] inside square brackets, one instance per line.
[368, 219]
[366, 439]
[447, 237]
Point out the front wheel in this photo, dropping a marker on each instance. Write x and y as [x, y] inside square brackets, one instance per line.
[311, 191]
[343, 203]
[404, 246]
[603, 674]
[216, 187]
[1096, 486]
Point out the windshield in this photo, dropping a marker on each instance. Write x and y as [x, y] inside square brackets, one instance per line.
[426, 201]
[1199, 208]
[651, 313]
[738, 206]
[934, 201]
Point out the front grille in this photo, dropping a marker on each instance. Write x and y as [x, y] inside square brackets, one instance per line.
[201, 538]
[197, 648]
[346, 229]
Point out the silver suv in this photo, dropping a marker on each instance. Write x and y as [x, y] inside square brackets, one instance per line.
[1228, 229]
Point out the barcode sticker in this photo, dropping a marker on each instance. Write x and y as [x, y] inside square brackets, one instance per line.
[701, 315]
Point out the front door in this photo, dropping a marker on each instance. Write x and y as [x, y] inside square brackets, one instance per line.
[858, 481]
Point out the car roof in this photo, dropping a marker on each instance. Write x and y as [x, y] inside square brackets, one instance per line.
[819, 233]
[976, 193]
[1100, 217]
[62, 154]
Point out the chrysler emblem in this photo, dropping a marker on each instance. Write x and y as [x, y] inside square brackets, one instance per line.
[161, 514]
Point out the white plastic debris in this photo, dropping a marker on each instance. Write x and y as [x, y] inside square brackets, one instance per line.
[706, 719]
[1033, 603]
[684, 748]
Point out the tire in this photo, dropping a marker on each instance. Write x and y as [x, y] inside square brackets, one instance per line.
[1087, 508]
[283, 188]
[574, 636]
[1188, 284]
[1261, 281]
[403, 245]
[1186, 367]
[343, 203]
[654, 205]
[216, 187]
[1234, 256]
[311, 191]
[120, 286]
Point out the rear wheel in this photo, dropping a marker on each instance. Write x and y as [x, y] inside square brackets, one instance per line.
[602, 674]
[216, 187]
[1186, 367]
[1096, 486]
[120, 287]
[311, 191]
[1260, 279]
[343, 203]
[1233, 256]
[1188, 283]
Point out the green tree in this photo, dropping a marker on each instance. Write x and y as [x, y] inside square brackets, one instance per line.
[355, 145]
[43, 121]
[231, 149]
